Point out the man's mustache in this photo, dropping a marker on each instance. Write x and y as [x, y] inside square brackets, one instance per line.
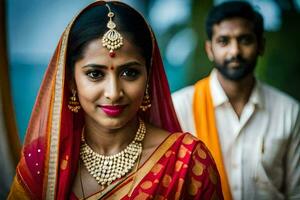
[235, 59]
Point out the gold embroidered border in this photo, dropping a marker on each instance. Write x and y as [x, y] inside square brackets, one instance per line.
[56, 118]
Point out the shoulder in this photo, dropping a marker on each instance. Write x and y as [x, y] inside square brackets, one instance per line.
[183, 94]
[183, 103]
[281, 97]
[202, 180]
[195, 146]
[278, 101]
[191, 149]
[154, 137]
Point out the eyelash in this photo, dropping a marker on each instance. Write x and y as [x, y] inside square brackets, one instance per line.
[246, 40]
[98, 76]
[223, 41]
[128, 74]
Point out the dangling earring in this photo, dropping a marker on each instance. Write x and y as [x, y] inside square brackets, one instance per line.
[73, 104]
[146, 104]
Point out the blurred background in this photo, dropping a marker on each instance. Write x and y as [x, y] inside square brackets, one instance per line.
[32, 28]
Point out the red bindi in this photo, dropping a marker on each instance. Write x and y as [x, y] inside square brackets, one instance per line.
[111, 68]
[112, 54]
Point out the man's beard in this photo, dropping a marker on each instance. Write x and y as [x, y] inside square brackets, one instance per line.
[236, 73]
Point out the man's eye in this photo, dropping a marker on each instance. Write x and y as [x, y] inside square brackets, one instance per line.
[95, 74]
[247, 40]
[222, 41]
[130, 74]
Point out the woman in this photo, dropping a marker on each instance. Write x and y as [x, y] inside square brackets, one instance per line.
[101, 127]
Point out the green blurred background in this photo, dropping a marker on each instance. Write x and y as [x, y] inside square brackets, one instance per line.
[279, 66]
[34, 28]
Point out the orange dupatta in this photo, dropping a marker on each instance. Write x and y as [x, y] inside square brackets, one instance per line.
[205, 125]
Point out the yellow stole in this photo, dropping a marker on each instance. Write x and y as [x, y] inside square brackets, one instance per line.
[206, 130]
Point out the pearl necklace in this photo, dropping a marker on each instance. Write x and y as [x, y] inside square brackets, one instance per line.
[106, 169]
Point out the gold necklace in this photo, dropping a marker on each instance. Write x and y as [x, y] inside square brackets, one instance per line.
[106, 169]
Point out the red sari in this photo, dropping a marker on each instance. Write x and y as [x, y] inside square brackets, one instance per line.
[180, 168]
[50, 153]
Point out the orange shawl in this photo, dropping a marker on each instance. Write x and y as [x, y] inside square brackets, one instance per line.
[205, 125]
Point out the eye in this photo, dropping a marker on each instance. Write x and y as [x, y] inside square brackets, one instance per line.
[223, 41]
[94, 74]
[130, 74]
[246, 40]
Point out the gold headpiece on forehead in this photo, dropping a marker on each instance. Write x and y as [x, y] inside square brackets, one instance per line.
[112, 39]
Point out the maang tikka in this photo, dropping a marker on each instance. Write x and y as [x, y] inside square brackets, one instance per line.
[112, 39]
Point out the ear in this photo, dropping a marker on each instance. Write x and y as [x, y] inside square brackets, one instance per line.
[208, 49]
[261, 47]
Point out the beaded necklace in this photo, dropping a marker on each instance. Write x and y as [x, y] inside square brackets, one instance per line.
[106, 169]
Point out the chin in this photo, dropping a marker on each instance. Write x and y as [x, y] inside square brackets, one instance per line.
[113, 123]
[237, 73]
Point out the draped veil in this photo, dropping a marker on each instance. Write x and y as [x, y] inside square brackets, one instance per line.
[51, 149]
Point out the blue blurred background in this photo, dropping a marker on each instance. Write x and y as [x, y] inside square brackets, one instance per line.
[34, 28]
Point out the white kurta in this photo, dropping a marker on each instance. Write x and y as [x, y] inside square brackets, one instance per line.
[261, 150]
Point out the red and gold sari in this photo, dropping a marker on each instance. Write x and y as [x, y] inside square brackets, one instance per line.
[180, 168]
[50, 154]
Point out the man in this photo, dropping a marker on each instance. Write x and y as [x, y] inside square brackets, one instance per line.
[252, 129]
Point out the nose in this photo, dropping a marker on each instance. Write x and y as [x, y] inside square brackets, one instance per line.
[113, 90]
[234, 49]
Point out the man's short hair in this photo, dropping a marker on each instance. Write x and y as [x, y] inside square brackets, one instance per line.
[232, 9]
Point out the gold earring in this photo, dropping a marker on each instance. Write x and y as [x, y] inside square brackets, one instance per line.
[146, 104]
[73, 104]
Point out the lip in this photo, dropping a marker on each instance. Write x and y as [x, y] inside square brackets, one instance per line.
[234, 64]
[112, 110]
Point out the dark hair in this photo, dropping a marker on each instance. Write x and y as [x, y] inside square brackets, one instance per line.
[91, 24]
[233, 9]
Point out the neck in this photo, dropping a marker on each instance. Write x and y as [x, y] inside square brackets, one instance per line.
[238, 92]
[107, 141]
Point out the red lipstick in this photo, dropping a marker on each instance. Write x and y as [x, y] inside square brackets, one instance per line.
[113, 110]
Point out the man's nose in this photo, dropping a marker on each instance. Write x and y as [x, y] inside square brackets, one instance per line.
[234, 49]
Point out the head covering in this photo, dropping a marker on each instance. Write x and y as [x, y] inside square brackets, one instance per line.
[51, 149]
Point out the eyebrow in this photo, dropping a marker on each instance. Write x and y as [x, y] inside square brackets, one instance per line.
[105, 67]
[240, 35]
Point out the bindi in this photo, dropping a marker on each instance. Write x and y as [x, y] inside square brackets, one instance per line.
[111, 68]
[112, 54]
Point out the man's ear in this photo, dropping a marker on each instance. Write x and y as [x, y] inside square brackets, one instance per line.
[209, 50]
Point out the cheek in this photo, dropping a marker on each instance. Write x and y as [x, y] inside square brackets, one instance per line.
[86, 90]
[135, 91]
[252, 53]
[219, 57]
[79, 82]
[219, 53]
[250, 50]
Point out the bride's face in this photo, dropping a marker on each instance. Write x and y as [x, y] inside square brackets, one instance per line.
[110, 89]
